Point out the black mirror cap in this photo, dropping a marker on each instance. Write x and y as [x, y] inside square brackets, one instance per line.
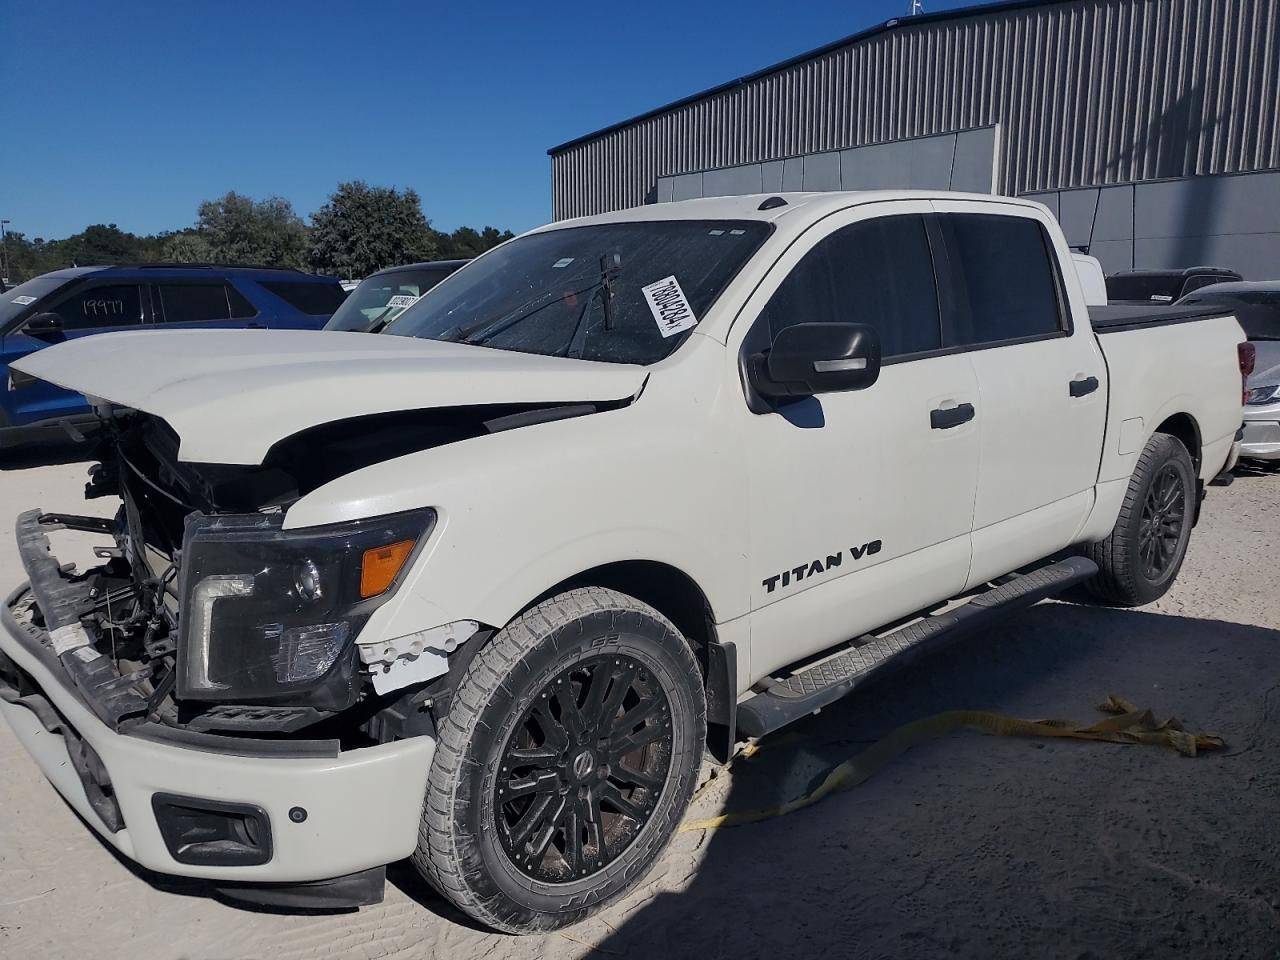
[811, 358]
[43, 323]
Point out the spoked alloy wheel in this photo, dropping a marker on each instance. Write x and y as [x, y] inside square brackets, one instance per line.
[564, 765]
[1164, 513]
[584, 769]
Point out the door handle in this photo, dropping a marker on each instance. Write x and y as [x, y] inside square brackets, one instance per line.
[1084, 387]
[945, 419]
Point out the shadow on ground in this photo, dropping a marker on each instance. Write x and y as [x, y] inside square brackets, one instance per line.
[999, 847]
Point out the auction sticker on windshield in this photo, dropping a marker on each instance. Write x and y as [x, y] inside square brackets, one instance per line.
[670, 309]
[402, 301]
[24, 300]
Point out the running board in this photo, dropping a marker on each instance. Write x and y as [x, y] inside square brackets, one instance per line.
[826, 682]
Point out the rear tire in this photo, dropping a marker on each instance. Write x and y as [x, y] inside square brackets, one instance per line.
[1141, 557]
[566, 762]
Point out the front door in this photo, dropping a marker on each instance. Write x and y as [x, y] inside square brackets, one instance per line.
[861, 502]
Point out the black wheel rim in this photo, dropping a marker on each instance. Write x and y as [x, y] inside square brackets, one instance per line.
[583, 770]
[1164, 514]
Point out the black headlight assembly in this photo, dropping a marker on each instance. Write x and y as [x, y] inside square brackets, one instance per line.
[270, 616]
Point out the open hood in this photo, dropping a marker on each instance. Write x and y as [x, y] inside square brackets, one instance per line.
[230, 395]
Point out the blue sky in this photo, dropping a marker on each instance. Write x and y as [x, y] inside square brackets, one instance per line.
[133, 112]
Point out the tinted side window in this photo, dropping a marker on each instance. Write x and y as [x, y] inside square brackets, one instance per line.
[315, 299]
[1196, 281]
[103, 305]
[194, 302]
[241, 308]
[878, 272]
[1004, 279]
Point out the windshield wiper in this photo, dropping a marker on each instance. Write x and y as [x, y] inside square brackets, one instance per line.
[488, 329]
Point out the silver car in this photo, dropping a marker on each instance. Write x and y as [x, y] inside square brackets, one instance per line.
[1257, 307]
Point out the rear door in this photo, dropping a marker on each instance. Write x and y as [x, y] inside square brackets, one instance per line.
[1042, 391]
[85, 310]
[304, 304]
[201, 305]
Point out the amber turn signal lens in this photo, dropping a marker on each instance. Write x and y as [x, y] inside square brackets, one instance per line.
[381, 565]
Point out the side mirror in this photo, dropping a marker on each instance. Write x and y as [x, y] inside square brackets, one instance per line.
[812, 358]
[43, 323]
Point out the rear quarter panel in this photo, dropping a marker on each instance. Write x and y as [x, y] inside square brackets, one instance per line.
[1157, 372]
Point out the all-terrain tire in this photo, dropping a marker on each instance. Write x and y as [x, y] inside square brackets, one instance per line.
[1124, 579]
[466, 848]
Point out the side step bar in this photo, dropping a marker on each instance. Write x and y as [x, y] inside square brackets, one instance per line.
[826, 682]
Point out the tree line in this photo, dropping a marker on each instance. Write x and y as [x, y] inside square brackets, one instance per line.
[359, 229]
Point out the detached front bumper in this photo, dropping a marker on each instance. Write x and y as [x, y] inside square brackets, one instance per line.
[313, 813]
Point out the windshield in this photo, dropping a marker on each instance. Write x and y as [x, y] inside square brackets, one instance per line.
[617, 292]
[1144, 288]
[381, 298]
[14, 302]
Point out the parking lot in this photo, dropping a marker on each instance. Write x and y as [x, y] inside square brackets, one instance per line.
[972, 845]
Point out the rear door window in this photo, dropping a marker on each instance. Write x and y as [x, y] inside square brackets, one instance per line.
[315, 298]
[1004, 279]
[878, 272]
[101, 305]
[193, 302]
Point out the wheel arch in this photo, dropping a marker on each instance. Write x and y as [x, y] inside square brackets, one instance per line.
[1184, 428]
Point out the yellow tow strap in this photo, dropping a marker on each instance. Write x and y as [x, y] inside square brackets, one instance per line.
[1127, 724]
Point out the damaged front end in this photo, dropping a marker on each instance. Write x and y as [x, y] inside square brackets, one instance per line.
[207, 617]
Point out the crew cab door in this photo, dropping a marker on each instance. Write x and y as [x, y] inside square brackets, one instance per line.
[86, 310]
[1042, 390]
[860, 502]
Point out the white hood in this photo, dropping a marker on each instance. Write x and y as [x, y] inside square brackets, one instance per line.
[230, 395]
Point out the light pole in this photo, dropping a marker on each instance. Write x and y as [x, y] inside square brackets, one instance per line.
[4, 256]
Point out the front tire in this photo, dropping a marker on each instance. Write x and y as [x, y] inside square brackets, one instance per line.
[1141, 557]
[566, 762]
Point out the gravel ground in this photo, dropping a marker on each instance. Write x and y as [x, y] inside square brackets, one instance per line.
[970, 846]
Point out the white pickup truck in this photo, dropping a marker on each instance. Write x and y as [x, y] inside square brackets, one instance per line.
[479, 589]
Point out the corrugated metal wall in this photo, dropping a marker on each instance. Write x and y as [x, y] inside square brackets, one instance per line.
[1086, 92]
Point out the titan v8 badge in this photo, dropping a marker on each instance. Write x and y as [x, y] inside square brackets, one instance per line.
[815, 567]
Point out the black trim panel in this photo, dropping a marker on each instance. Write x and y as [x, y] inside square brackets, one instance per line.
[1119, 319]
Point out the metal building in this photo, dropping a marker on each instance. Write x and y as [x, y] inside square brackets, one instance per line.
[1152, 127]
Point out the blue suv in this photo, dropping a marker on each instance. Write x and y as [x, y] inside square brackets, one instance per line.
[82, 301]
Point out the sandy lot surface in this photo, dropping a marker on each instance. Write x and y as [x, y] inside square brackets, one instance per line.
[970, 846]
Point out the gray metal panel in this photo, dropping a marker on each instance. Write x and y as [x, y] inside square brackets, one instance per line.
[973, 168]
[1113, 254]
[1207, 205]
[1114, 220]
[792, 174]
[929, 162]
[822, 171]
[1086, 93]
[771, 177]
[664, 189]
[1075, 212]
[732, 181]
[1049, 199]
[687, 187]
[1255, 255]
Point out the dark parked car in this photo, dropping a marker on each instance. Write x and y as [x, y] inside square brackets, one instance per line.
[82, 301]
[383, 296]
[1163, 286]
[1257, 307]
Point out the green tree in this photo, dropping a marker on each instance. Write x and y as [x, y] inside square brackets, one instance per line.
[465, 242]
[362, 229]
[239, 229]
[187, 246]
